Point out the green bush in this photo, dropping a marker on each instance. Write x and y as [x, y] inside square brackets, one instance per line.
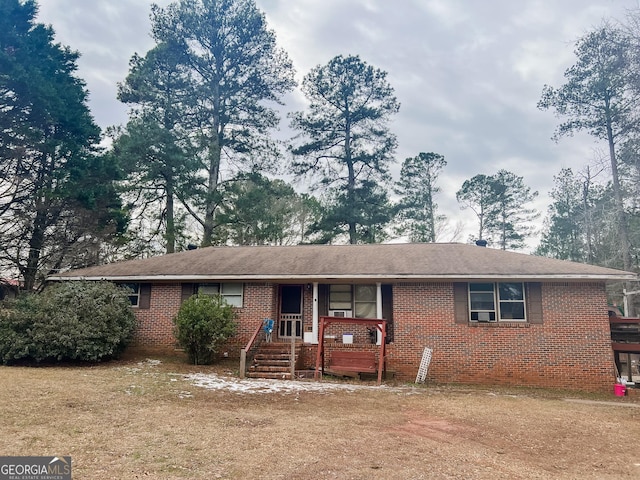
[203, 324]
[77, 321]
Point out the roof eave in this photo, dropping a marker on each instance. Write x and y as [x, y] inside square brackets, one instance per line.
[381, 277]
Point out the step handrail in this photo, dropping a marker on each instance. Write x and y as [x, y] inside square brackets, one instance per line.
[254, 336]
[243, 351]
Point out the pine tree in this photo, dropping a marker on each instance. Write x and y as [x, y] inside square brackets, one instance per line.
[344, 145]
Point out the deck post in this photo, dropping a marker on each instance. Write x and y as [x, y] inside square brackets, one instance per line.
[243, 362]
[320, 352]
[382, 329]
[293, 356]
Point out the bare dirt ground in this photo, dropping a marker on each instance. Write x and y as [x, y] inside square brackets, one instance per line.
[155, 417]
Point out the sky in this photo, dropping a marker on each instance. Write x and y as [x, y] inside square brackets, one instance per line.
[467, 73]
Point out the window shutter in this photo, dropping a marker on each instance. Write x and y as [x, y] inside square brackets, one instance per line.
[534, 302]
[323, 300]
[387, 309]
[144, 301]
[461, 302]
[188, 289]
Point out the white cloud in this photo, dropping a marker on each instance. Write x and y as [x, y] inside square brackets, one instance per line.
[468, 73]
[450, 13]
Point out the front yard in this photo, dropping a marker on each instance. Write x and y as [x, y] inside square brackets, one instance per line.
[156, 417]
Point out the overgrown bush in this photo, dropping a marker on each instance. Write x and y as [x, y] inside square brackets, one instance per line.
[78, 321]
[203, 324]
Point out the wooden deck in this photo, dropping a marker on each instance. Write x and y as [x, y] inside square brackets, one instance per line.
[625, 334]
[625, 342]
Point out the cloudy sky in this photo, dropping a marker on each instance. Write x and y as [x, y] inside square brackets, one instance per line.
[468, 73]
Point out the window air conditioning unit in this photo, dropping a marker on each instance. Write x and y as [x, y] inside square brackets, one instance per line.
[340, 313]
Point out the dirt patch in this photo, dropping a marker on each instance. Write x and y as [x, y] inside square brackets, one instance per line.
[437, 429]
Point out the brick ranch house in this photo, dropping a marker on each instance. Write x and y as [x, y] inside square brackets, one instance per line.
[490, 316]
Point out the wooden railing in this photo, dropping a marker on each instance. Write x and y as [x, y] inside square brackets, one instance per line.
[625, 341]
[245, 350]
[380, 326]
[289, 325]
[625, 334]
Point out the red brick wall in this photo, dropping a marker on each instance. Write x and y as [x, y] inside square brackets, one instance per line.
[260, 301]
[307, 308]
[155, 325]
[572, 348]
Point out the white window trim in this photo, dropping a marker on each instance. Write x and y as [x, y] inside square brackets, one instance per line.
[341, 291]
[226, 296]
[523, 302]
[496, 303]
[495, 310]
[377, 302]
[371, 303]
[134, 294]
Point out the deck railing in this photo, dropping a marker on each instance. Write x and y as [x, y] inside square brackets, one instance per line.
[625, 334]
[625, 341]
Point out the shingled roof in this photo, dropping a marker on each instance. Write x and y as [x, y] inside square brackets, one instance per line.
[408, 261]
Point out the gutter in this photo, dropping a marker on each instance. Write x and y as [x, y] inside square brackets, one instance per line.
[311, 278]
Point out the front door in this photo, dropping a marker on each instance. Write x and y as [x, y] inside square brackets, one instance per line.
[290, 311]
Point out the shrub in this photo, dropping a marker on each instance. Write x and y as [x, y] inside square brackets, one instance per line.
[203, 324]
[78, 321]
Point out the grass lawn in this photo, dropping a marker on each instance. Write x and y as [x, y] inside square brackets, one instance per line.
[147, 417]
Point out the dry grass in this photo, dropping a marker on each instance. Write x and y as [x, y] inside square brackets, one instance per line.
[138, 419]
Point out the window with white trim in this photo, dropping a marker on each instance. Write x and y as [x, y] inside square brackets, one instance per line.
[134, 292]
[365, 301]
[359, 299]
[340, 297]
[490, 302]
[230, 292]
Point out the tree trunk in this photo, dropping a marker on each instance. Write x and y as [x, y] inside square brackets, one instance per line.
[212, 187]
[623, 233]
[431, 214]
[215, 155]
[171, 226]
[621, 217]
[42, 182]
[36, 242]
[587, 216]
[351, 183]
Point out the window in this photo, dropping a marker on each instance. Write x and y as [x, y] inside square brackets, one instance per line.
[360, 299]
[365, 301]
[134, 292]
[489, 302]
[230, 292]
[340, 297]
[511, 298]
[481, 302]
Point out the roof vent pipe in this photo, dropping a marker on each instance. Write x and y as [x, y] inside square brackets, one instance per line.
[481, 243]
